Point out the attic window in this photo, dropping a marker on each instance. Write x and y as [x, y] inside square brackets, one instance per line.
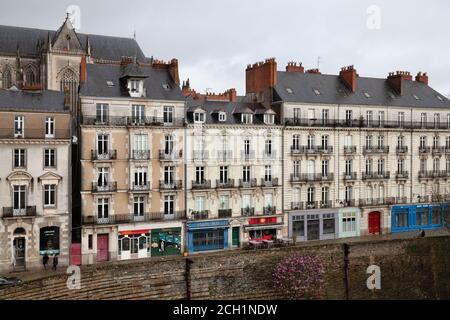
[317, 92]
[391, 95]
[222, 116]
[109, 83]
[416, 97]
[166, 86]
[367, 95]
[199, 117]
[269, 118]
[439, 98]
[246, 118]
[289, 90]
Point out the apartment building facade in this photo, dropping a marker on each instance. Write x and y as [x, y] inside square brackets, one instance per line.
[35, 180]
[132, 173]
[233, 172]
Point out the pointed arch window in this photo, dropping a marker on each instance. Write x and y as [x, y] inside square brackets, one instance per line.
[69, 85]
[6, 78]
[30, 76]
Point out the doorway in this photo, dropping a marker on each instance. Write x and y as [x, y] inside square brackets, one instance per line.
[313, 230]
[374, 222]
[235, 236]
[102, 247]
[19, 252]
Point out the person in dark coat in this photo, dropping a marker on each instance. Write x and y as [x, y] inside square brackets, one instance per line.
[55, 262]
[45, 261]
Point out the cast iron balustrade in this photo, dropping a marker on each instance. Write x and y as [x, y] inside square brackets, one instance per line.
[224, 155]
[447, 149]
[432, 174]
[326, 204]
[423, 199]
[311, 204]
[141, 154]
[153, 121]
[271, 155]
[376, 175]
[437, 150]
[247, 212]
[105, 155]
[200, 155]
[247, 184]
[224, 184]
[141, 187]
[375, 149]
[384, 201]
[32, 133]
[203, 184]
[311, 150]
[297, 205]
[104, 187]
[360, 123]
[172, 155]
[401, 175]
[349, 149]
[250, 155]
[349, 176]
[224, 213]
[401, 149]
[132, 218]
[269, 183]
[424, 149]
[10, 212]
[269, 210]
[170, 185]
[200, 215]
[311, 177]
[349, 203]
[104, 121]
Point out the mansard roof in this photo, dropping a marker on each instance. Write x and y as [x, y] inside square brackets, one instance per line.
[329, 89]
[103, 47]
[98, 76]
[42, 101]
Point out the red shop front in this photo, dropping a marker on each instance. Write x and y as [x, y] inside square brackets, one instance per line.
[265, 228]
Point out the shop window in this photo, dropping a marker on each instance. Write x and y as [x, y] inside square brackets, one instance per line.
[298, 227]
[349, 222]
[421, 216]
[436, 215]
[401, 218]
[328, 224]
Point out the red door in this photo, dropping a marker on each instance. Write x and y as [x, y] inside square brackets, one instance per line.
[374, 222]
[102, 247]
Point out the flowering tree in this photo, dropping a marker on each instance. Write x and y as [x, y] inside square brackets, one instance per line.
[300, 276]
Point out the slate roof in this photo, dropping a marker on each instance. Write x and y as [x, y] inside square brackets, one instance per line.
[103, 47]
[233, 111]
[99, 74]
[32, 101]
[333, 91]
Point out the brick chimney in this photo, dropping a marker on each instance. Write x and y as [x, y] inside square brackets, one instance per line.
[124, 61]
[422, 78]
[348, 75]
[293, 67]
[314, 71]
[229, 95]
[396, 80]
[261, 76]
[171, 66]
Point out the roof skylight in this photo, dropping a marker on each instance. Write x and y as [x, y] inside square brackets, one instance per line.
[317, 92]
[109, 83]
[367, 95]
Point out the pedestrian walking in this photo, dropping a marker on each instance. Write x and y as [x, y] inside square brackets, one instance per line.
[55, 262]
[45, 261]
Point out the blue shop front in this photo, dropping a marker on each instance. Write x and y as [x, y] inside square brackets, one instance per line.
[207, 235]
[417, 217]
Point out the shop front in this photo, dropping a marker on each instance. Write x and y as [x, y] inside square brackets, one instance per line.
[313, 225]
[417, 217]
[166, 242]
[349, 222]
[208, 235]
[49, 241]
[263, 229]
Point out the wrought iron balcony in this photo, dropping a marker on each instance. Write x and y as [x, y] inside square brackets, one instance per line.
[252, 183]
[270, 155]
[224, 155]
[153, 121]
[326, 204]
[437, 150]
[224, 213]
[376, 175]
[200, 155]
[104, 187]
[104, 155]
[401, 149]
[141, 187]
[141, 154]
[132, 218]
[375, 150]
[170, 155]
[349, 176]
[311, 204]
[349, 203]
[269, 210]
[247, 212]
[33, 133]
[433, 174]
[297, 205]
[269, 183]
[423, 149]
[311, 177]
[349, 149]
[10, 212]
[248, 155]
[224, 184]
[170, 185]
[401, 175]
[203, 184]
[199, 215]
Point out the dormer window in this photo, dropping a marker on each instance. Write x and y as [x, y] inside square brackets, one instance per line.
[135, 87]
[246, 118]
[269, 118]
[199, 117]
[222, 116]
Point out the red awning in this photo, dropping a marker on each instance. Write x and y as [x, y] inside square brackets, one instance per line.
[126, 232]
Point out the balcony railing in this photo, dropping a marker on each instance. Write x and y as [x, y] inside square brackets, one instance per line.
[376, 175]
[348, 176]
[349, 149]
[310, 177]
[424, 149]
[312, 150]
[141, 187]
[224, 213]
[311, 204]
[297, 205]
[375, 150]
[433, 174]
[133, 218]
[141, 154]
[170, 185]
[31, 133]
[269, 210]
[349, 203]
[165, 155]
[246, 212]
[269, 183]
[130, 121]
[104, 187]
[270, 155]
[199, 215]
[248, 155]
[203, 184]
[104, 155]
[385, 201]
[437, 150]
[200, 155]
[401, 175]
[401, 150]
[247, 184]
[10, 212]
[224, 184]
[224, 155]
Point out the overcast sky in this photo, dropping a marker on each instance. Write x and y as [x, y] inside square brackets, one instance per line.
[215, 40]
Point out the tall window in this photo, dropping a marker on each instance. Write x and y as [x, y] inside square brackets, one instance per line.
[447, 143]
[49, 127]
[348, 194]
[247, 147]
[324, 168]
[199, 203]
[102, 208]
[311, 142]
[140, 142]
[19, 158]
[49, 195]
[297, 114]
[169, 204]
[137, 113]
[199, 174]
[140, 176]
[267, 173]
[324, 142]
[368, 142]
[348, 116]
[310, 195]
[423, 142]
[19, 195]
[380, 166]
[296, 168]
[381, 118]
[423, 165]
[423, 120]
[168, 114]
[380, 142]
[325, 116]
[168, 144]
[101, 113]
[369, 118]
[369, 166]
[296, 142]
[400, 141]
[436, 165]
[223, 174]
[435, 142]
[49, 158]
[6, 78]
[246, 173]
[325, 195]
[30, 76]
[138, 206]
[103, 176]
[400, 165]
[102, 144]
[349, 222]
[18, 125]
[169, 174]
[348, 167]
[69, 85]
[401, 119]
[268, 147]
[348, 141]
[437, 120]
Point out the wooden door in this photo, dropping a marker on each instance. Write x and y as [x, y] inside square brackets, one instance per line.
[374, 222]
[102, 247]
